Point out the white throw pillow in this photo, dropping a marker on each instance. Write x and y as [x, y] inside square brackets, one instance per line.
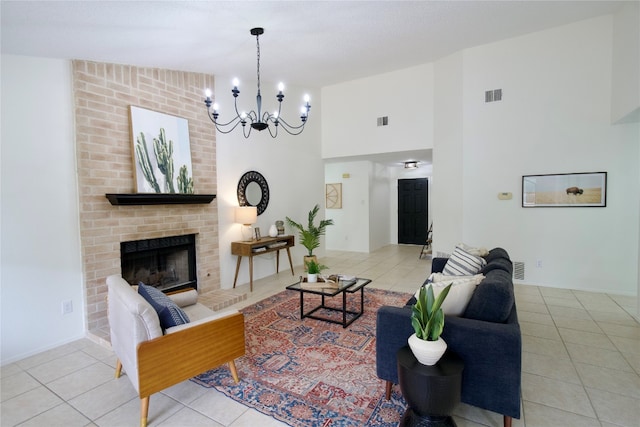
[459, 295]
[462, 263]
[441, 277]
[475, 251]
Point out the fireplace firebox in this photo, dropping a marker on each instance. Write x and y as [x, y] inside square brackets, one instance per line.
[166, 263]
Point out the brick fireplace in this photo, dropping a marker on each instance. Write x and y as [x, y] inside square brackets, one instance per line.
[103, 94]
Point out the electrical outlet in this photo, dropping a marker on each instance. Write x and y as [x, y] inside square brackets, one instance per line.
[67, 307]
[539, 263]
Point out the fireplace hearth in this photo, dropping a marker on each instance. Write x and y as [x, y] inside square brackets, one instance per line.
[166, 263]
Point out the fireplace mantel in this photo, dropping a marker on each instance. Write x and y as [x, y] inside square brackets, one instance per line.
[130, 199]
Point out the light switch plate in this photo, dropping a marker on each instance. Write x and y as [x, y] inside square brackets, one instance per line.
[505, 196]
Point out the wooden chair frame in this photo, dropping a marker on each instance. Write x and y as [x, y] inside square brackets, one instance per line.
[175, 357]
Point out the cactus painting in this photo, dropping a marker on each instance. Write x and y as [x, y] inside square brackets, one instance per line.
[160, 148]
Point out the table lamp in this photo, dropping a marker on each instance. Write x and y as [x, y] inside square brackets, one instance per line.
[246, 215]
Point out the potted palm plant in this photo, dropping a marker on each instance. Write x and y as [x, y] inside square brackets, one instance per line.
[427, 319]
[310, 236]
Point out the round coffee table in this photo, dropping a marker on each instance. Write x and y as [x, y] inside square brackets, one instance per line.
[431, 392]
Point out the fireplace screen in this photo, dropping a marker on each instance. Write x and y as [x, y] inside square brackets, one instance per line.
[167, 263]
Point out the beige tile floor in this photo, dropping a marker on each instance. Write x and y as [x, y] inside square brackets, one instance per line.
[580, 364]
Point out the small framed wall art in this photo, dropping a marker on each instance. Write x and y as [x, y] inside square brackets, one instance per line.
[584, 189]
[334, 196]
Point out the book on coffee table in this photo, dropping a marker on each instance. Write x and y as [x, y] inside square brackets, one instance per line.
[345, 279]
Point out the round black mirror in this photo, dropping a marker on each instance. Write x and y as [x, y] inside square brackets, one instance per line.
[253, 190]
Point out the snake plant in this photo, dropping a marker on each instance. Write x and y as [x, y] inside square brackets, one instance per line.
[427, 317]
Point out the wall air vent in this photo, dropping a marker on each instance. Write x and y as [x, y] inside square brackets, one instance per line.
[488, 96]
[518, 270]
[493, 95]
[383, 121]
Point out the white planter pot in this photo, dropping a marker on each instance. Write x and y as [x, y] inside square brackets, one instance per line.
[312, 278]
[427, 352]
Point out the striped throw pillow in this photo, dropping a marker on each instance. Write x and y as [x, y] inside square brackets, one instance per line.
[462, 263]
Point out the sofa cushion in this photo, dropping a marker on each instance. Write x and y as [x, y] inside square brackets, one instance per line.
[493, 299]
[498, 264]
[462, 263]
[497, 253]
[460, 293]
[168, 311]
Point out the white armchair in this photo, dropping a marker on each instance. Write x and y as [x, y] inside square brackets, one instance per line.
[154, 361]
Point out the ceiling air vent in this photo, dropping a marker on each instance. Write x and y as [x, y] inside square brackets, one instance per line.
[383, 121]
[518, 270]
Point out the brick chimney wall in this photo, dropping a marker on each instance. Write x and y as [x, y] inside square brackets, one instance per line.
[102, 94]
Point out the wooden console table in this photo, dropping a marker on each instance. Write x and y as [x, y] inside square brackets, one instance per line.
[260, 247]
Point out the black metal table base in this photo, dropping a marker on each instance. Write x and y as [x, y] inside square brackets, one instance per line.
[351, 315]
[411, 419]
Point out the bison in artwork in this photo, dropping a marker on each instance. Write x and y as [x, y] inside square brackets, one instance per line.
[575, 190]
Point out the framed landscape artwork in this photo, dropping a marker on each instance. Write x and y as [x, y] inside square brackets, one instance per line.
[585, 189]
[161, 152]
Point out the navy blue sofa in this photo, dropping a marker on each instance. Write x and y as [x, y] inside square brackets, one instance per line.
[487, 337]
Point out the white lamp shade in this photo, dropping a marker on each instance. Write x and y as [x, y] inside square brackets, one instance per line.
[246, 215]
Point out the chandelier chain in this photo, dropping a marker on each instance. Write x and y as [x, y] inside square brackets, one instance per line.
[258, 56]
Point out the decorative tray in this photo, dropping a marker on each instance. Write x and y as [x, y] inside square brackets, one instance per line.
[322, 283]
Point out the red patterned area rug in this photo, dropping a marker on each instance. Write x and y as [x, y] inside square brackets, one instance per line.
[309, 372]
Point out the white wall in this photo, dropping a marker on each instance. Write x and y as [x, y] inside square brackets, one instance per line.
[350, 111]
[380, 208]
[625, 105]
[368, 219]
[40, 237]
[350, 231]
[447, 182]
[554, 118]
[291, 165]
[349, 128]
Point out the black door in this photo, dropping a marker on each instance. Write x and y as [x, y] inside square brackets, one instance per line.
[412, 210]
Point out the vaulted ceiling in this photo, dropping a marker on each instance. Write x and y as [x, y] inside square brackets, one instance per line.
[308, 43]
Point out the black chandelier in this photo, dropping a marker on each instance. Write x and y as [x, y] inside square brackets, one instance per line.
[256, 118]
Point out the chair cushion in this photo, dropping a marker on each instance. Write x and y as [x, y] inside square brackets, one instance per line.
[168, 311]
[184, 298]
[462, 263]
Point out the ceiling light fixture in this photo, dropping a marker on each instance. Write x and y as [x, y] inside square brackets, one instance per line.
[410, 165]
[256, 119]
